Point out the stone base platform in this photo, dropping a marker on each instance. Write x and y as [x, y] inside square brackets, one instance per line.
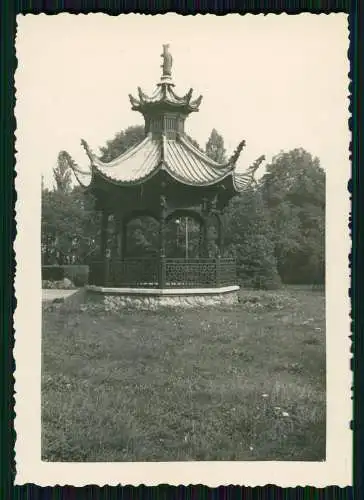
[145, 298]
[56, 295]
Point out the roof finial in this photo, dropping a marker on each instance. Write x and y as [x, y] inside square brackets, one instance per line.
[167, 63]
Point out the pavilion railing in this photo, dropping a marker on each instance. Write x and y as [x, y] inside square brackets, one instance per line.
[167, 273]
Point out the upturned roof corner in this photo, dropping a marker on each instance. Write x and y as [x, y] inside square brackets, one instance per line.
[235, 156]
[88, 150]
[166, 146]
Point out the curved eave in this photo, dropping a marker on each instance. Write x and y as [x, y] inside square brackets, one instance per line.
[203, 156]
[182, 180]
[179, 158]
[165, 95]
[83, 180]
[128, 154]
[144, 107]
[230, 189]
[122, 183]
[242, 181]
[234, 183]
[185, 176]
[163, 166]
[135, 166]
[83, 177]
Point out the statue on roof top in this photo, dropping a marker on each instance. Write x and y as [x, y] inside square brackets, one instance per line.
[167, 61]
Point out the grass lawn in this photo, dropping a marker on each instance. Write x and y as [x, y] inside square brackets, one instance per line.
[239, 383]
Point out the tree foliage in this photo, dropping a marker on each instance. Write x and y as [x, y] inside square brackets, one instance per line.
[122, 141]
[294, 191]
[276, 229]
[249, 237]
[70, 225]
[62, 173]
[215, 147]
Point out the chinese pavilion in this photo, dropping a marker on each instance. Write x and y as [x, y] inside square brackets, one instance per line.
[164, 177]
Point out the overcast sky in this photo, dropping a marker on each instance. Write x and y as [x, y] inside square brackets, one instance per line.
[279, 82]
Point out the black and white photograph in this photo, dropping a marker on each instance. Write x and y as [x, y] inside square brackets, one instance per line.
[182, 250]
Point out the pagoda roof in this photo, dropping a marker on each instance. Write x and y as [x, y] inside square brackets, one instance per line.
[179, 158]
[165, 95]
[166, 149]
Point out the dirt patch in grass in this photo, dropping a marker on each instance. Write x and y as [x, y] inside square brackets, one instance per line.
[239, 383]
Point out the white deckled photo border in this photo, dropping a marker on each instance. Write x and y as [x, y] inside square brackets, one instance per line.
[336, 470]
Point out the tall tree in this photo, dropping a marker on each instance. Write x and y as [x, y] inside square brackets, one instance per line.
[294, 190]
[69, 222]
[62, 173]
[70, 226]
[215, 147]
[248, 236]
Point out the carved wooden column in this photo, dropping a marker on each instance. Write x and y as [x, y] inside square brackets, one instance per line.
[124, 239]
[114, 241]
[205, 212]
[205, 237]
[114, 264]
[220, 235]
[162, 242]
[103, 247]
[118, 236]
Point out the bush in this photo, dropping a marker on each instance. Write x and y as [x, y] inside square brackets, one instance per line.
[64, 284]
[259, 282]
[52, 273]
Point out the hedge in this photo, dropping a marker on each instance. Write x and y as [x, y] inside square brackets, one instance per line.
[52, 273]
[78, 274]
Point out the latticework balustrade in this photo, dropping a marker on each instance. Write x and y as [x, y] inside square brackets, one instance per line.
[165, 273]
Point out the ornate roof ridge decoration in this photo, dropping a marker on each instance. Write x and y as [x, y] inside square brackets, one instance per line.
[164, 93]
[166, 148]
[253, 168]
[73, 165]
[244, 180]
[88, 150]
[235, 156]
[196, 103]
[78, 172]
